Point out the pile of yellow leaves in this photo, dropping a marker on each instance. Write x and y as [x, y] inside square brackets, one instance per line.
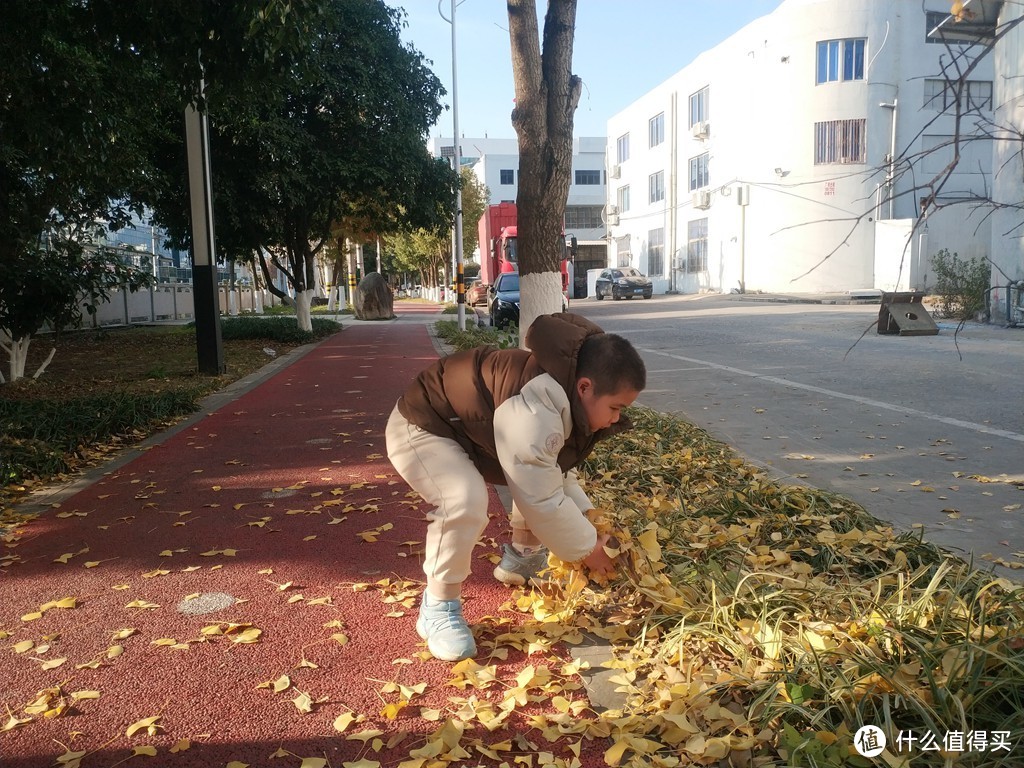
[756, 622]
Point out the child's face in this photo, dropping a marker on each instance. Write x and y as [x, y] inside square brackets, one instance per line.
[603, 410]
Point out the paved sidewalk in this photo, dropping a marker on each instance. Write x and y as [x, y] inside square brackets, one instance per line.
[280, 514]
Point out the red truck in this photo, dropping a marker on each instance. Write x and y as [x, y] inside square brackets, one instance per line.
[497, 236]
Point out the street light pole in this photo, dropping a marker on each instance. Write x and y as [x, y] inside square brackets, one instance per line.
[460, 285]
[209, 346]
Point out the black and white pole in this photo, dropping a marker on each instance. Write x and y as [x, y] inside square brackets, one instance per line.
[209, 346]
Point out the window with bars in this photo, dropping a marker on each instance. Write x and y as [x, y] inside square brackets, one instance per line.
[840, 60]
[697, 245]
[933, 19]
[587, 177]
[656, 130]
[583, 217]
[507, 176]
[840, 141]
[656, 251]
[656, 187]
[940, 94]
[699, 176]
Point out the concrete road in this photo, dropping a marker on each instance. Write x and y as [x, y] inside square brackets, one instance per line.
[919, 433]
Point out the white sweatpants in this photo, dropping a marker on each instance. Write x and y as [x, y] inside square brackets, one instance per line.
[440, 471]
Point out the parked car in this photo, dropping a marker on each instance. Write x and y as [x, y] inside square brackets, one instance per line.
[476, 292]
[503, 300]
[623, 282]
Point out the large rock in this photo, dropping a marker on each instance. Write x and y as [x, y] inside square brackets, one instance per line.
[373, 300]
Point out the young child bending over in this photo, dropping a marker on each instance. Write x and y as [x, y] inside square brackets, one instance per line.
[511, 417]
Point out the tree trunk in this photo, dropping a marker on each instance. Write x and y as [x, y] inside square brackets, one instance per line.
[304, 294]
[17, 352]
[546, 97]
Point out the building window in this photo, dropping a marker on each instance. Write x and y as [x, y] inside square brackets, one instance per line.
[656, 251]
[940, 95]
[840, 60]
[699, 176]
[622, 254]
[507, 176]
[656, 187]
[933, 19]
[697, 245]
[588, 177]
[622, 198]
[622, 148]
[840, 141]
[656, 129]
[700, 105]
[583, 217]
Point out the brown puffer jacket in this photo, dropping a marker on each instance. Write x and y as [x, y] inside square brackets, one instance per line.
[456, 397]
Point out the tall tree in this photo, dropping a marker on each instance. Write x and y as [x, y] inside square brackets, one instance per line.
[75, 127]
[339, 125]
[546, 97]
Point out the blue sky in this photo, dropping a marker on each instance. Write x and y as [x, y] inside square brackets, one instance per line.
[623, 48]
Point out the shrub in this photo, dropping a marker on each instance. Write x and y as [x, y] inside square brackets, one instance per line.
[281, 329]
[473, 336]
[960, 284]
[42, 438]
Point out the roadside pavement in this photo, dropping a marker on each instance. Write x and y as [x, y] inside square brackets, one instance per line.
[248, 584]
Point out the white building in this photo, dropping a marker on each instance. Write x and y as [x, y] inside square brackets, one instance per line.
[795, 156]
[1008, 178]
[496, 163]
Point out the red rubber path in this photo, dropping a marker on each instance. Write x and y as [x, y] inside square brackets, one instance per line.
[264, 500]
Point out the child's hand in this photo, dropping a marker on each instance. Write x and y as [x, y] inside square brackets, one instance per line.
[599, 564]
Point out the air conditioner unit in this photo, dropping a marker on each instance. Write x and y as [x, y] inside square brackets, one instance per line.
[702, 199]
[613, 220]
[613, 210]
[700, 129]
[616, 171]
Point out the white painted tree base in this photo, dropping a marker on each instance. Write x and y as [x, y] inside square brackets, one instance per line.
[540, 293]
[303, 302]
[17, 351]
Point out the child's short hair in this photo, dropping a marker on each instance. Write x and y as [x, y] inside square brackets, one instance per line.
[612, 363]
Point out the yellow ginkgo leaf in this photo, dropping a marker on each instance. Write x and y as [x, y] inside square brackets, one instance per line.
[364, 763]
[282, 683]
[148, 751]
[313, 762]
[24, 645]
[114, 651]
[391, 711]
[236, 764]
[82, 695]
[52, 664]
[149, 722]
[303, 703]
[32, 616]
[343, 721]
[181, 745]
[250, 635]
[13, 722]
